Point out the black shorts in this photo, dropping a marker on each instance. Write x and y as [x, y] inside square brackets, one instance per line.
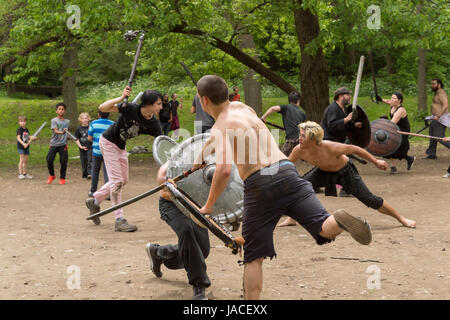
[270, 193]
[350, 180]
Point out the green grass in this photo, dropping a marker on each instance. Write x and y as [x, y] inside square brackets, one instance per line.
[40, 110]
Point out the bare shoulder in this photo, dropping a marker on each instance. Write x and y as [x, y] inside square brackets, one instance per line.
[237, 105]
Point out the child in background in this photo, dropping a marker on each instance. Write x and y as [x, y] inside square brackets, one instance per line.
[23, 147]
[95, 132]
[58, 144]
[84, 145]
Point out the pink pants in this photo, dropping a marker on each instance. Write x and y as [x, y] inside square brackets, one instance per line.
[116, 163]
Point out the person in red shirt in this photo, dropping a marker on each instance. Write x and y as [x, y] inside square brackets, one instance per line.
[236, 96]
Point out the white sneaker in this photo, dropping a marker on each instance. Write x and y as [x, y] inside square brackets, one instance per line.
[28, 176]
[447, 175]
[21, 176]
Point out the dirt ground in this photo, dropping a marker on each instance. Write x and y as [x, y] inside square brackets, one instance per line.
[46, 243]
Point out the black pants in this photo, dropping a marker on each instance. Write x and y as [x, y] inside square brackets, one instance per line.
[192, 248]
[63, 158]
[437, 129]
[165, 126]
[86, 162]
[96, 166]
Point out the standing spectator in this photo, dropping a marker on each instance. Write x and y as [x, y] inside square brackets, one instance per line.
[203, 121]
[236, 95]
[165, 116]
[23, 147]
[174, 104]
[85, 146]
[95, 132]
[439, 108]
[58, 144]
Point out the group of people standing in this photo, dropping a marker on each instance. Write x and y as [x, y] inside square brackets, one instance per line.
[168, 115]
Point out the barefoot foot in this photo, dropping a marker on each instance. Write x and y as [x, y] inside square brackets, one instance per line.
[288, 222]
[408, 223]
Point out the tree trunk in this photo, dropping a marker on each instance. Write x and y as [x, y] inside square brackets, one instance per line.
[422, 81]
[10, 87]
[314, 68]
[69, 68]
[390, 67]
[252, 87]
[421, 73]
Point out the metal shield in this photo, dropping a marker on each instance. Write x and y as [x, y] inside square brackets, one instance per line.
[162, 149]
[360, 136]
[384, 140]
[228, 208]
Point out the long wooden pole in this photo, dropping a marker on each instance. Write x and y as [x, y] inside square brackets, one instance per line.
[420, 135]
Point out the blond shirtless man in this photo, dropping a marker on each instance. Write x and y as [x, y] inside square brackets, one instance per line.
[272, 186]
[333, 166]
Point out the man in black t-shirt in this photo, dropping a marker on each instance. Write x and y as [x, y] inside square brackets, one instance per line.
[292, 116]
[134, 120]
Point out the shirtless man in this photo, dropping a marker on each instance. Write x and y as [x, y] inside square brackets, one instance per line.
[439, 108]
[272, 186]
[333, 166]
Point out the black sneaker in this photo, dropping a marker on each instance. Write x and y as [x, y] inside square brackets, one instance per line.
[91, 194]
[393, 170]
[199, 294]
[93, 208]
[155, 262]
[411, 162]
[431, 157]
[122, 225]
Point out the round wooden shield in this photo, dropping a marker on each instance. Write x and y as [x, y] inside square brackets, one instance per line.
[384, 140]
[359, 136]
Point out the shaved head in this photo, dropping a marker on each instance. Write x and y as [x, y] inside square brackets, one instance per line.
[213, 87]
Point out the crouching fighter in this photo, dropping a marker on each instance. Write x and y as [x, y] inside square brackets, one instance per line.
[272, 186]
[333, 166]
[192, 248]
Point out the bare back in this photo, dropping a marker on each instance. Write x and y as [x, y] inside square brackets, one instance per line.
[253, 146]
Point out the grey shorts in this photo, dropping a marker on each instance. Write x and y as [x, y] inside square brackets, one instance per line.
[270, 193]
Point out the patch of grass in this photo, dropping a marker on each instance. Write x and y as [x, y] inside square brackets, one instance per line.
[40, 110]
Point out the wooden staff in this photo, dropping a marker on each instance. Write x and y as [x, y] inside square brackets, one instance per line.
[421, 135]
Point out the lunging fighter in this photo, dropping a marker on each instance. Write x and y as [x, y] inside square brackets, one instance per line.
[192, 248]
[333, 166]
[272, 186]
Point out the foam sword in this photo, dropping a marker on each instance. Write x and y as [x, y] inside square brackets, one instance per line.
[39, 130]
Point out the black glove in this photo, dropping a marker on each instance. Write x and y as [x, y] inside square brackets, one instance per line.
[378, 98]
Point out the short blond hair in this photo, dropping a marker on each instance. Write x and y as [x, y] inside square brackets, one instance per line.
[22, 118]
[84, 114]
[313, 130]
